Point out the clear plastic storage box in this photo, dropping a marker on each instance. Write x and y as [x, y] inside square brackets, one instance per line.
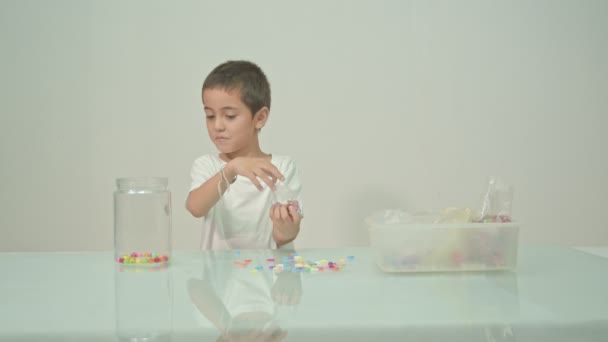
[427, 247]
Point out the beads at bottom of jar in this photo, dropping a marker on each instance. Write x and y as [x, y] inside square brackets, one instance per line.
[143, 258]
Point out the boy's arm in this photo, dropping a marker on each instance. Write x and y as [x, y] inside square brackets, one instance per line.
[203, 198]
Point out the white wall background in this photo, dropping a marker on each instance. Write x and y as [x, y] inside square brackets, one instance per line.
[384, 104]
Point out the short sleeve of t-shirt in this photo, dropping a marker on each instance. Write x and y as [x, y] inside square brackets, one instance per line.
[203, 168]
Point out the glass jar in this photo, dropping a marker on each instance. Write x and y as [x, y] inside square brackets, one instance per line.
[142, 221]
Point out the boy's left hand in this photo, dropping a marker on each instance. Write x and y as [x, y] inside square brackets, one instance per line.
[286, 222]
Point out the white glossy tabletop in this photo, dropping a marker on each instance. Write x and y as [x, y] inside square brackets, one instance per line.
[556, 294]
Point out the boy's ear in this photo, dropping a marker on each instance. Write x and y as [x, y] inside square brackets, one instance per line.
[261, 117]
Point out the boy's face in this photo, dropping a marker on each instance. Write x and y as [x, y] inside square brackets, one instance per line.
[230, 124]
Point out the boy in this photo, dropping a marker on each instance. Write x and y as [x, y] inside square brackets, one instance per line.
[232, 191]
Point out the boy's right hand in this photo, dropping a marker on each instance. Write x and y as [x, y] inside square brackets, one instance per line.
[254, 168]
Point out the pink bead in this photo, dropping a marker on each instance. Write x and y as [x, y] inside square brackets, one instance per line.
[121, 260]
[134, 255]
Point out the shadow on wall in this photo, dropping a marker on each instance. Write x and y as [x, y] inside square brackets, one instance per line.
[362, 202]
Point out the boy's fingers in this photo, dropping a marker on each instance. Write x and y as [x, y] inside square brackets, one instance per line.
[285, 214]
[271, 169]
[276, 213]
[269, 182]
[255, 179]
[271, 212]
[293, 211]
[279, 175]
[255, 182]
[266, 178]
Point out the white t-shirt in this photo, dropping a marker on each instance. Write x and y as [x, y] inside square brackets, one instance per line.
[241, 218]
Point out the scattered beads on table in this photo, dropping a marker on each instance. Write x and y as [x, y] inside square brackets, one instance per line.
[296, 263]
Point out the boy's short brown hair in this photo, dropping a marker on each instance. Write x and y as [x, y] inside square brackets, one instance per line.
[244, 76]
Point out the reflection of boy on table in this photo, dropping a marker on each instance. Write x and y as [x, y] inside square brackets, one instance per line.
[241, 305]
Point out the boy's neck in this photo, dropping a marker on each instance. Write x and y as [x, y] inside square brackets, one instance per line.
[256, 153]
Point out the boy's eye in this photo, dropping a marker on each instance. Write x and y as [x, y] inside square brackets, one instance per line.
[230, 117]
[210, 117]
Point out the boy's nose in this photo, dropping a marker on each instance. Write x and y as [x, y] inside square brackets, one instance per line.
[219, 124]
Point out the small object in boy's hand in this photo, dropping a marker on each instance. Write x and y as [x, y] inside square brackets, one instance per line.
[295, 206]
[283, 195]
